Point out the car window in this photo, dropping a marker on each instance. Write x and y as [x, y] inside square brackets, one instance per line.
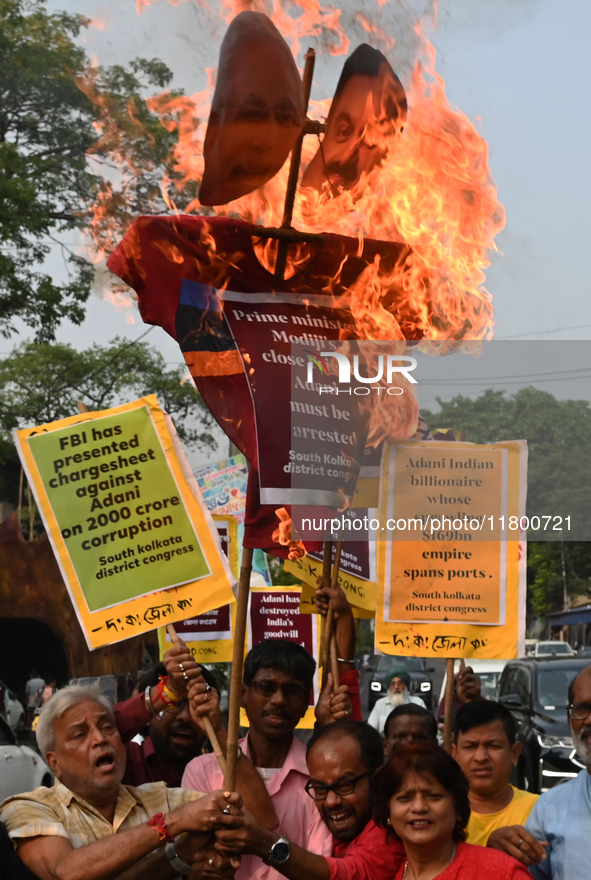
[488, 684]
[554, 648]
[508, 682]
[522, 686]
[553, 687]
[412, 664]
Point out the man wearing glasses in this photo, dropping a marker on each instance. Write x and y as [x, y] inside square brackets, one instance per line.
[278, 679]
[342, 758]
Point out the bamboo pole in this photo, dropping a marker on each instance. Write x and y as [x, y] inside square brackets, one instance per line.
[215, 743]
[329, 645]
[449, 705]
[294, 170]
[237, 662]
[326, 576]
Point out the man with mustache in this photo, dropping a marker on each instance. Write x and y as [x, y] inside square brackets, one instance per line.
[406, 725]
[173, 738]
[398, 684]
[562, 816]
[342, 760]
[91, 827]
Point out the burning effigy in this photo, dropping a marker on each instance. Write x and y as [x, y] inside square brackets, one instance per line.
[384, 237]
[377, 227]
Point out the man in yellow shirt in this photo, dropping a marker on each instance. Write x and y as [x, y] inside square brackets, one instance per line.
[485, 747]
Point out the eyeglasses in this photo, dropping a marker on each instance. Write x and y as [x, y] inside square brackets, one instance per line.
[578, 711]
[267, 687]
[341, 788]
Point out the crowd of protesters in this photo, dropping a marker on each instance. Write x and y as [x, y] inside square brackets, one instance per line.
[359, 802]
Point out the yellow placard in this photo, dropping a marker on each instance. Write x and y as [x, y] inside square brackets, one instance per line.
[281, 607]
[458, 588]
[135, 545]
[360, 593]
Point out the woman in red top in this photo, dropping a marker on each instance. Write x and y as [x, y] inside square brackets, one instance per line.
[422, 796]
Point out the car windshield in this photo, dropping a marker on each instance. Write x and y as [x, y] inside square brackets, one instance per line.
[488, 684]
[554, 648]
[553, 686]
[412, 664]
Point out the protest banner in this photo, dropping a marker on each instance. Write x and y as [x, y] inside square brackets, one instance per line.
[209, 636]
[275, 613]
[356, 576]
[135, 545]
[453, 583]
[223, 486]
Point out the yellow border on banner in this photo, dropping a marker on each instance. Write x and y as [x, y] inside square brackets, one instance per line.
[359, 592]
[309, 719]
[497, 642]
[143, 613]
[212, 650]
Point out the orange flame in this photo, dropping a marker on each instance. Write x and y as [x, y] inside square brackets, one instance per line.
[283, 535]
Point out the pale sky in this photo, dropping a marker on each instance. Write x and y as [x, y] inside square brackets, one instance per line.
[519, 65]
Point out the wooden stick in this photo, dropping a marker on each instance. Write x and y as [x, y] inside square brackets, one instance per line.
[329, 637]
[326, 569]
[449, 705]
[215, 743]
[237, 663]
[294, 170]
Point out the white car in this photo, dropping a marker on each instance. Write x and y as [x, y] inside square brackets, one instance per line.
[21, 768]
[489, 673]
[553, 649]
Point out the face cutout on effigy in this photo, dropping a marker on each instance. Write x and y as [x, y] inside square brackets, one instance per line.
[257, 110]
[366, 115]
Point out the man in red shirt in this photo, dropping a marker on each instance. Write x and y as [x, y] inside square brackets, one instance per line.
[342, 759]
[172, 738]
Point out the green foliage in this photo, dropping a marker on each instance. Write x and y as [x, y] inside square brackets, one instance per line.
[545, 578]
[279, 576]
[72, 138]
[558, 433]
[42, 382]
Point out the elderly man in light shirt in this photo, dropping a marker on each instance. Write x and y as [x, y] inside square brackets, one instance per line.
[398, 685]
[90, 827]
[561, 819]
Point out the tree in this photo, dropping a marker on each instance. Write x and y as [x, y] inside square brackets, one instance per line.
[558, 433]
[79, 152]
[41, 382]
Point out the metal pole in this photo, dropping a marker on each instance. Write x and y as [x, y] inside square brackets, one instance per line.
[449, 705]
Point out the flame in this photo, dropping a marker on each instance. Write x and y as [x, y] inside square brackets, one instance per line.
[433, 191]
[283, 535]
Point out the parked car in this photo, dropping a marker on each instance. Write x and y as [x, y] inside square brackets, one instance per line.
[549, 649]
[489, 673]
[15, 711]
[536, 693]
[420, 683]
[21, 768]
[584, 651]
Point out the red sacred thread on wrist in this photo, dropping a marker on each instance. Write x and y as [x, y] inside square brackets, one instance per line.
[158, 824]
